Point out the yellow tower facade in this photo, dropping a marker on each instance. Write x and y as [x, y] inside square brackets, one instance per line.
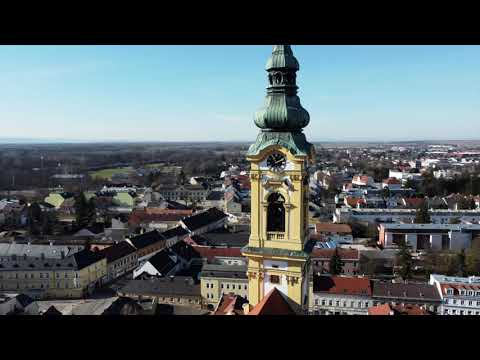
[279, 246]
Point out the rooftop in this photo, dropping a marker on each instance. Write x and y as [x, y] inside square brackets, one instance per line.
[345, 254]
[274, 303]
[183, 286]
[117, 251]
[417, 291]
[342, 285]
[333, 228]
[224, 271]
[203, 218]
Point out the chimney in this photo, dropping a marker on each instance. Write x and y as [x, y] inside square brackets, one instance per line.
[246, 308]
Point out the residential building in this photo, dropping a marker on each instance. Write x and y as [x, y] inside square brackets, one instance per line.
[177, 291]
[339, 232]
[167, 261]
[230, 304]
[363, 180]
[204, 221]
[219, 279]
[147, 244]
[121, 259]
[437, 216]
[340, 295]
[70, 277]
[162, 264]
[174, 236]
[321, 258]
[460, 295]
[221, 255]
[393, 293]
[214, 199]
[12, 304]
[187, 192]
[429, 236]
[222, 238]
[391, 184]
[156, 218]
[14, 251]
[391, 310]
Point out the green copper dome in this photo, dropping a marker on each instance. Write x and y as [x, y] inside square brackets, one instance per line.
[282, 117]
[282, 110]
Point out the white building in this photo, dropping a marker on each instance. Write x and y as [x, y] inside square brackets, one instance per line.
[429, 236]
[340, 295]
[460, 295]
[437, 216]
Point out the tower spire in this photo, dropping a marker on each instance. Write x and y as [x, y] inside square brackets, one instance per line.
[282, 110]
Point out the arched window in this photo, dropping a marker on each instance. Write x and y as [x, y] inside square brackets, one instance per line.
[276, 213]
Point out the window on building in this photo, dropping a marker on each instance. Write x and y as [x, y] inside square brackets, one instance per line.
[316, 301]
[323, 302]
[274, 279]
[330, 302]
[228, 286]
[276, 213]
[445, 242]
[221, 286]
[246, 287]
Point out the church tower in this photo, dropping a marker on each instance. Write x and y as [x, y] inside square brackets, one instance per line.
[279, 247]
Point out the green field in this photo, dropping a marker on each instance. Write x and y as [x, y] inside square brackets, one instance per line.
[107, 173]
[153, 166]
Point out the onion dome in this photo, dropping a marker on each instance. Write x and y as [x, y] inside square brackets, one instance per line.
[282, 110]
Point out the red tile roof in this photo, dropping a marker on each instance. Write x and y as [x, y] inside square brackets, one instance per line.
[354, 201]
[391, 180]
[211, 252]
[342, 285]
[139, 216]
[410, 310]
[333, 228]
[230, 305]
[362, 179]
[345, 254]
[414, 202]
[384, 309]
[387, 309]
[274, 303]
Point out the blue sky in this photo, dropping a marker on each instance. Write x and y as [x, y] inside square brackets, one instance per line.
[202, 93]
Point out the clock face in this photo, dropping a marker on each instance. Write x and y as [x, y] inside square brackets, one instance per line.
[276, 162]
